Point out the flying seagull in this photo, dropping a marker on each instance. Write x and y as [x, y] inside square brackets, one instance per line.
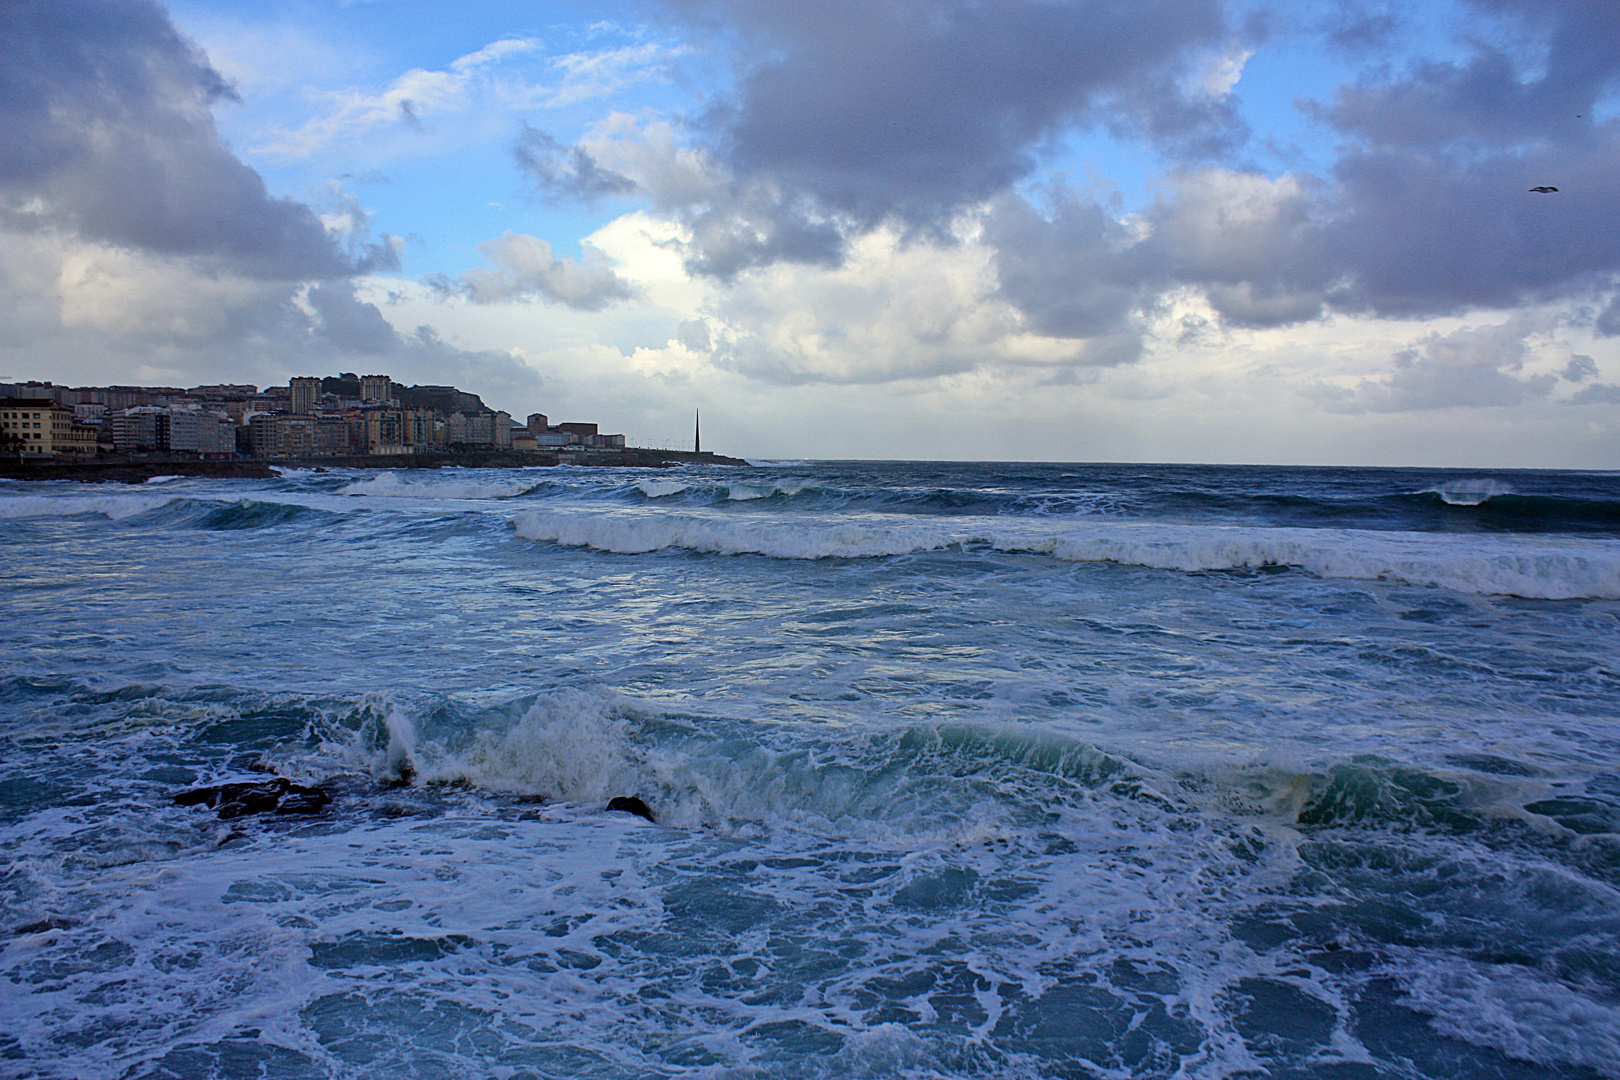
[1544, 190]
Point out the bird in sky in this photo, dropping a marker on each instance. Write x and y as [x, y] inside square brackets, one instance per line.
[1544, 190]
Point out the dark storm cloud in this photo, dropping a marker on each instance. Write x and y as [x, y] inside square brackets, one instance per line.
[565, 172]
[912, 108]
[1596, 394]
[1427, 211]
[1608, 320]
[1433, 212]
[1579, 369]
[1075, 273]
[1253, 246]
[1442, 229]
[105, 132]
[754, 227]
[106, 137]
[847, 114]
[1494, 99]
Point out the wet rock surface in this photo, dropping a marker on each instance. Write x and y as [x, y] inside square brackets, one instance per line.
[631, 804]
[279, 796]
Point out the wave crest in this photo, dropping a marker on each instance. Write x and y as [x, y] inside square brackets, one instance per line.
[637, 534]
[1558, 568]
[391, 485]
[114, 507]
[1469, 492]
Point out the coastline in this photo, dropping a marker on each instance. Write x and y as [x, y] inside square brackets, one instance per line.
[138, 468]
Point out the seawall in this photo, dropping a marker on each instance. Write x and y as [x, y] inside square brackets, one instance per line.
[137, 468]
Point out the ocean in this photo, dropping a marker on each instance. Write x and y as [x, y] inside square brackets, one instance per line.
[956, 770]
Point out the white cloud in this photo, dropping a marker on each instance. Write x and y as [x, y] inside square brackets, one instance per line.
[489, 79]
[526, 267]
[1222, 71]
[493, 53]
[599, 74]
[1472, 367]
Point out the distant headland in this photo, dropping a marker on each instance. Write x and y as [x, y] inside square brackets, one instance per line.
[131, 433]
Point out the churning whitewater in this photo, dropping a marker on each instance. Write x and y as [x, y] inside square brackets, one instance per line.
[955, 771]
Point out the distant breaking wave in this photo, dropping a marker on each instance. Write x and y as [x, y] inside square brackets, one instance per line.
[393, 485]
[1461, 506]
[112, 506]
[1469, 492]
[1551, 569]
[776, 537]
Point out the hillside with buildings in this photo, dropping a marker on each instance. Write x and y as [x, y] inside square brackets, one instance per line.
[341, 416]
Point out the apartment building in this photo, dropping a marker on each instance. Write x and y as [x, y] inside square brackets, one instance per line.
[44, 427]
[305, 396]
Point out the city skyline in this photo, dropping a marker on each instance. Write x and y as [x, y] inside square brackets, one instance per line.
[344, 415]
[1194, 230]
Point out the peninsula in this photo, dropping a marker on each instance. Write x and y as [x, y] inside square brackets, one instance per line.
[131, 433]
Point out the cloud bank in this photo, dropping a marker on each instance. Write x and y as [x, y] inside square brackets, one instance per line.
[890, 195]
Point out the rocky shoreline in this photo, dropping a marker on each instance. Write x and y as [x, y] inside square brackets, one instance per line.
[138, 468]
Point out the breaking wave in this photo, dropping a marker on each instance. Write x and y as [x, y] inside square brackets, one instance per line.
[580, 747]
[1469, 492]
[1537, 569]
[1548, 569]
[392, 485]
[115, 507]
[635, 534]
[659, 489]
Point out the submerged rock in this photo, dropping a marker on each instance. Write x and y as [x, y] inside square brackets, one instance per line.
[45, 926]
[631, 804]
[280, 795]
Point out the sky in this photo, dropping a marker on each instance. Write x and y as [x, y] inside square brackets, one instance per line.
[1059, 230]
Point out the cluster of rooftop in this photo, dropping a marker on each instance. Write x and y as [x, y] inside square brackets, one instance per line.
[338, 416]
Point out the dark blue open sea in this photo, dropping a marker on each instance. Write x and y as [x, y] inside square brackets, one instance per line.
[1005, 771]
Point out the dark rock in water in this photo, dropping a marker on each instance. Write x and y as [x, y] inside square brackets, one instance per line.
[238, 800]
[630, 804]
[403, 778]
[45, 925]
[235, 800]
[303, 800]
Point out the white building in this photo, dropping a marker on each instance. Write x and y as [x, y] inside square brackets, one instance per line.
[198, 432]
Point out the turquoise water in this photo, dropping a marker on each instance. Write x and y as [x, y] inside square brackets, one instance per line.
[1011, 771]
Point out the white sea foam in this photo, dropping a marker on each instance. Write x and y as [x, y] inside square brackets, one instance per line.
[572, 747]
[585, 747]
[1469, 492]
[659, 489]
[1514, 1009]
[1548, 568]
[114, 506]
[1555, 568]
[781, 538]
[396, 760]
[391, 485]
[750, 492]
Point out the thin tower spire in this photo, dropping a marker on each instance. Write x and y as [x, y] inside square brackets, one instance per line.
[697, 431]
